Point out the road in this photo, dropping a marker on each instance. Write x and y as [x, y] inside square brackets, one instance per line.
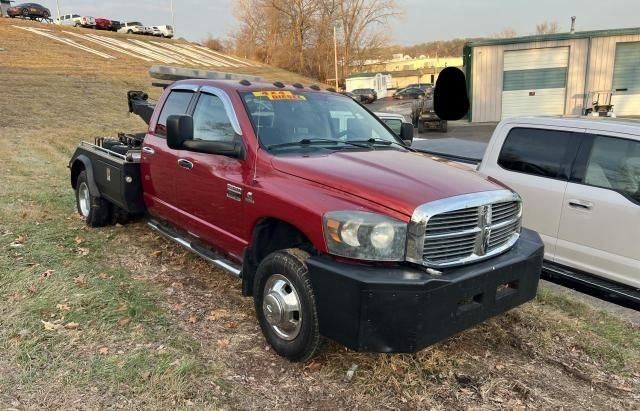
[462, 139]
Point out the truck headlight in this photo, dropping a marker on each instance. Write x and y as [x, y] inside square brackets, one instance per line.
[365, 236]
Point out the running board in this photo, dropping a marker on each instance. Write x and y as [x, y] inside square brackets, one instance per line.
[598, 287]
[203, 252]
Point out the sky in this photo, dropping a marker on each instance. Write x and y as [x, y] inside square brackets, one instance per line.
[421, 20]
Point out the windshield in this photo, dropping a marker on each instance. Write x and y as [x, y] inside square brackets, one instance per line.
[282, 117]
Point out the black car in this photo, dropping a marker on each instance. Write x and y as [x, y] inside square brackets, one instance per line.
[353, 96]
[367, 95]
[29, 11]
[409, 93]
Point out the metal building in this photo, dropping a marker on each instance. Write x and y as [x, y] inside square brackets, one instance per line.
[553, 74]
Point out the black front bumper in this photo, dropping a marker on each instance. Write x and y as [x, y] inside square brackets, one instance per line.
[405, 309]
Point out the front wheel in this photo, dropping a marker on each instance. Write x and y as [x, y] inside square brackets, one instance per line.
[96, 211]
[285, 305]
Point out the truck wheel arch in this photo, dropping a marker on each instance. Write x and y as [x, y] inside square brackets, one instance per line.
[269, 235]
[82, 162]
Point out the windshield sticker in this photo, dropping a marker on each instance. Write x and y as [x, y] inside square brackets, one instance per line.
[278, 95]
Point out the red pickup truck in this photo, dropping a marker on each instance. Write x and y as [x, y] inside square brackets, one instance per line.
[334, 225]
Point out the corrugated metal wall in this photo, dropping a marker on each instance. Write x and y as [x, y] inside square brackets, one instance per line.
[488, 65]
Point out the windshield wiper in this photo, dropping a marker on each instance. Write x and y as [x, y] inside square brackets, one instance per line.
[378, 141]
[314, 141]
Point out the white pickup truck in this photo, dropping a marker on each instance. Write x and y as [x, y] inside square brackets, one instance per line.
[579, 179]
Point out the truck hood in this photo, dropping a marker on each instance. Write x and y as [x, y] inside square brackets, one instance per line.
[400, 180]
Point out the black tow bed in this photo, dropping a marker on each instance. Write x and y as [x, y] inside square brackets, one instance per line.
[112, 175]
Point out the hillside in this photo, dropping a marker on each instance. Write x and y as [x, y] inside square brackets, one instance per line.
[119, 318]
[25, 50]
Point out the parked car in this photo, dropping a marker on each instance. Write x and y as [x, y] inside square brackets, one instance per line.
[134, 27]
[409, 93]
[353, 96]
[579, 179]
[29, 11]
[424, 117]
[77, 20]
[332, 224]
[115, 25]
[163, 31]
[395, 122]
[103, 24]
[367, 95]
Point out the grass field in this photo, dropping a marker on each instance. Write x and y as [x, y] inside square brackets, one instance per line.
[118, 317]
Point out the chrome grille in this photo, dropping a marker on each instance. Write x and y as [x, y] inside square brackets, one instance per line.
[465, 228]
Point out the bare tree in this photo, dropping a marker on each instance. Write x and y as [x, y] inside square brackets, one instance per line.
[298, 34]
[361, 22]
[214, 43]
[547, 27]
[505, 33]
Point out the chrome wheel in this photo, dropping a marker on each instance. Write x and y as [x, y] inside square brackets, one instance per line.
[84, 199]
[281, 307]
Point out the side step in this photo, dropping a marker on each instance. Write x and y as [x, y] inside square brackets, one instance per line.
[203, 252]
[598, 287]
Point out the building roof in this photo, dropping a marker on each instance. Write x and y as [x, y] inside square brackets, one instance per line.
[556, 36]
[364, 75]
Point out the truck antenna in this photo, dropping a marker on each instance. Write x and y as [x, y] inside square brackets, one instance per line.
[255, 160]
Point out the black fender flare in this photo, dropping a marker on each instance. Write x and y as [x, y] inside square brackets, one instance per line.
[88, 167]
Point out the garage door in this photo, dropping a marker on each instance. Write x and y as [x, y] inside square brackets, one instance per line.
[535, 82]
[626, 80]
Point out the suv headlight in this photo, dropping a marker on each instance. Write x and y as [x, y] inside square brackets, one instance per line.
[365, 236]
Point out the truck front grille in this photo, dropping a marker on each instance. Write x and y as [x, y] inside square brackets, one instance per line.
[463, 230]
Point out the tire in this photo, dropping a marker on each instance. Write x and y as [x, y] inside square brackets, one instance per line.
[129, 31]
[25, 13]
[96, 211]
[421, 127]
[280, 274]
[444, 127]
[45, 15]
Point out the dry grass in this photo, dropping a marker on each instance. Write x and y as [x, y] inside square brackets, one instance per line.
[150, 326]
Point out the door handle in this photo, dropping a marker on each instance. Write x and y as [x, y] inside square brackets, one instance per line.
[585, 205]
[148, 150]
[186, 164]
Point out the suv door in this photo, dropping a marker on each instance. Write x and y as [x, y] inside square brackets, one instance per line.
[536, 163]
[600, 225]
[210, 188]
[159, 162]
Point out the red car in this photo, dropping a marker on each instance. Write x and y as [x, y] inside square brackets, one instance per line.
[333, 224]
[103, 24]
[29, 11]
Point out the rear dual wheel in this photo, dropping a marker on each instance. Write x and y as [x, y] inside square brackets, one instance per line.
[96, 211]
[285, 305]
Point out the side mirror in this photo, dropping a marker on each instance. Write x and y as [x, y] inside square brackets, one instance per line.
[450, 99]
[406, 133]
[179, 131]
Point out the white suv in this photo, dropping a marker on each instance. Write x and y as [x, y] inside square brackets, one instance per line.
[579, 179]
[134, 27]
[163, 31]
[76, 20]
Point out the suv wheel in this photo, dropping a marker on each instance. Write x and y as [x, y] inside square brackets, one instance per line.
[95, 210]
[285, 305]
[129, 31]
[25, 13]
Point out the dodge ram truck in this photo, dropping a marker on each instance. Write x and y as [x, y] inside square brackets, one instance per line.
[333, 224]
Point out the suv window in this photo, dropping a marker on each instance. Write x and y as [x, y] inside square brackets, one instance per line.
[614, 163]
[537, 152]
[210, 120]
[177, 103]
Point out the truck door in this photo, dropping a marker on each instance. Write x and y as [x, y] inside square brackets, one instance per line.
[536, 163]
[600, 225]
[210, 188]
[158, 165]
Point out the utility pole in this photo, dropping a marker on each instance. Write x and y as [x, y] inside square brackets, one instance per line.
[335, 54]
[173, 21]
[58, 8]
